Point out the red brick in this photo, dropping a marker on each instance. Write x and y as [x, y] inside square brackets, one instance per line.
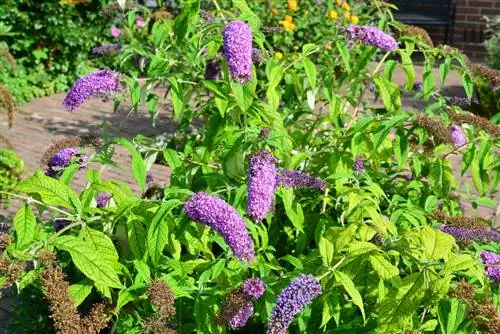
[481, 4]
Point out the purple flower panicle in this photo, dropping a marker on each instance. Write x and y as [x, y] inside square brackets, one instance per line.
[240, 317]
[95, 84]
[457, 135]
[466, 235]
[359, 164]
[103, 200]
[492, 264]
[261, 184]
[371, 36]
[254, 287]
[291, 301]
[62, 159]
[106, 49]
[238, 50]
[297, 179]
[223, 218]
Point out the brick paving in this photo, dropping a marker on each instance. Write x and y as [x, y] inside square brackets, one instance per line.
[44, 120]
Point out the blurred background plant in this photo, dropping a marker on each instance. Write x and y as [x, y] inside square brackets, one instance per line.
[492, 43]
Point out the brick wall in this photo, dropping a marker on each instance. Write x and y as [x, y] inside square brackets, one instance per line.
[469, 27]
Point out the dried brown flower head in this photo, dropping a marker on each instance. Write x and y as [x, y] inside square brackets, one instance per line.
[64, 313]
[5, 241]
[486, 72]
[161, 14]
[471, 223]
[47, 258]
[235, 301]
[7, 104]
[417, 32]
[69, 142]
[435, 128]
[452, 51]
[11, 271]
[162, 298]
[112, 9]
[478, 121]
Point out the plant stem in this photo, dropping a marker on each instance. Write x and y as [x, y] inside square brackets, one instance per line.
[32, 200]
[380, 64]
[332, 269]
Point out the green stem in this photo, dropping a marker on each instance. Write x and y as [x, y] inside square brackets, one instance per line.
[332, 269]
[380, 64]
[32, 200]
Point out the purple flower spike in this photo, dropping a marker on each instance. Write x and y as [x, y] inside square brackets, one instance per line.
[297, 179]
[62, 159]
[457, 135]
[371, 36]
[261, 184]
[254, 287]
[466, 235]
[106, 49]
[291, 301]
[223, 218]
[492, 264]
[359, 164]
[103, 200]
[238, 50]
[240, 317]
[95, 84]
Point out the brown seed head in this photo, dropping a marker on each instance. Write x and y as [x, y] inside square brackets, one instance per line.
[435, 128]
[417, 32]
[478, 121]
[471, 223]
[69, 142]
[7, 104]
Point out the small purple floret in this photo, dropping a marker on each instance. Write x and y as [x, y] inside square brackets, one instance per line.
[492, 264]
[359, 164]
[291, 301]
[297, 179]
[261, 184]
[238, 50]
[223, 218]
[371, 36]
[62, 159]
[457, 135]
[103, 200]
[98, 83]
[254, 287]
[239, 318]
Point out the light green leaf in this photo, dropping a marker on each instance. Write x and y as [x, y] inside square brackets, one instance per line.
[311, 72]
[391, 97]
[50, 191]
[158, 230]
[102, 244]
[79, 291]
[24, 223]
[436, 244]
[451, 313]
[458, 263]
[349, 287]
[89, 261]
[191, 10]
[326, 251]
[408, 68]
[137, 164]
[384, 268]
[136, 237]
[246, 14]
[124, 297]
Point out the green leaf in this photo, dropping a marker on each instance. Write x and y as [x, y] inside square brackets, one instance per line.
[79, 291]
[451, 313]
[89, 261]
[158, 230]
[468, 84]
[349, 287]
[391, 97]
[436, 244]
[441, 176]
[311, 72]
[24, 223]
[293, 209]
[444, 69]
[275, 77]
[429, 83]
[102, 244]
[191, 9]
[408, 68]
[344, 54]
[136, 237]
[137, 164]
[397, 308]
[384, 268]
[233, 162]
[246, 14]
[143, 272]
[177, 97]
[124, 297]
[50, 191]
[244, 93]
[458, 263]
[326, 251]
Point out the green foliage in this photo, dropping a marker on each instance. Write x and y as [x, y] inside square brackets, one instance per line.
[11, 169]
[492, 43]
